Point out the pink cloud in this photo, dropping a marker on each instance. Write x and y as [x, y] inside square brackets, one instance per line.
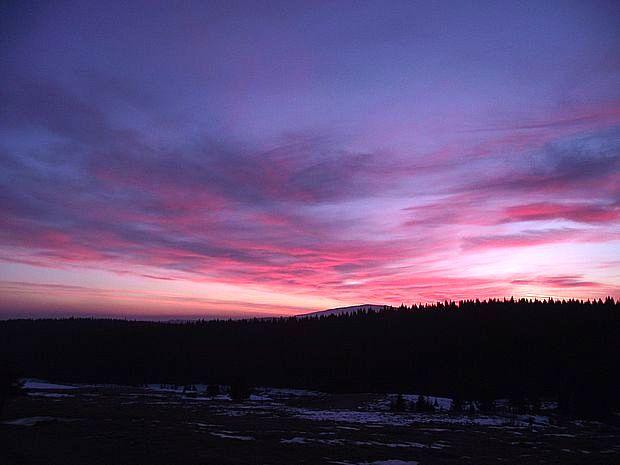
[579, 212]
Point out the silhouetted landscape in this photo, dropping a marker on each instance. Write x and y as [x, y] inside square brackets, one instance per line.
[542, 367]
[476, 351]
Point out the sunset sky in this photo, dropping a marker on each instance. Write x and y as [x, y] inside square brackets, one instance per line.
[214, 159]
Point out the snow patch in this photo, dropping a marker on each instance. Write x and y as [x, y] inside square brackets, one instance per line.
[378, 419]
[392, 462]
[295, 440]
[345, 310]
[271, 393]
[380, 462]
[233, 436]
[38, 384]
[54, 395]
[392, 445]
[32, 421]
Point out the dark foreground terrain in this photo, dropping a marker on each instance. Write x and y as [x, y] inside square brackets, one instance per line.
[55, 424]
[471, 350]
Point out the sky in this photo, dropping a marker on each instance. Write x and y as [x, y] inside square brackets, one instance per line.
[227, 159]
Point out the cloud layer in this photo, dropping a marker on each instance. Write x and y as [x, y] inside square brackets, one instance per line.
[197, 169]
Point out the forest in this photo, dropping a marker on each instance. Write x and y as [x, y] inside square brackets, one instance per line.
[469, 350]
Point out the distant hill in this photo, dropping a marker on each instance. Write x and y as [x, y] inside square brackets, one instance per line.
[344, 310]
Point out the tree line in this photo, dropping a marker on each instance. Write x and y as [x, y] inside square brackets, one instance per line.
[524, 350]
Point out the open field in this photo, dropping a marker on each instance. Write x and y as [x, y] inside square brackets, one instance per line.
[55, 424]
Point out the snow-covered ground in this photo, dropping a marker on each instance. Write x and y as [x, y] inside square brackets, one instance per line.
[258, 393]
[274, 393]
[410, 418]
[52, 395]
[265, 401]
[379, 462]
[348, 442]
[345, 429]
[238, 437]
[32, 421]
[39, 384]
